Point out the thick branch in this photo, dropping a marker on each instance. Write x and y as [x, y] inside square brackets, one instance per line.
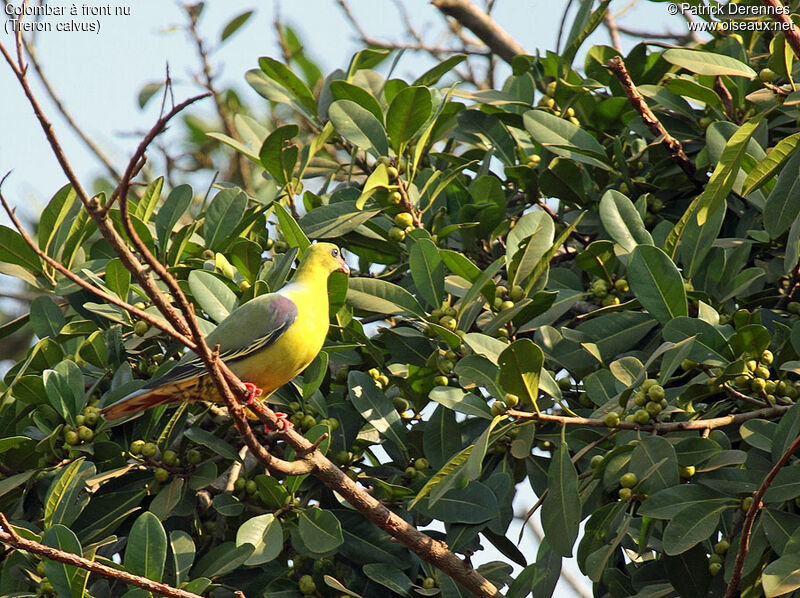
[10, 537]
[672, 145]
[482, 25]
[788, 28]
[749, 519]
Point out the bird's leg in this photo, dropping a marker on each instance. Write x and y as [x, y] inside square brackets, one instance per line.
[284, 419]
[253, 392]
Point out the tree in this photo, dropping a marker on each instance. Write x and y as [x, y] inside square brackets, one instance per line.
[585, 281]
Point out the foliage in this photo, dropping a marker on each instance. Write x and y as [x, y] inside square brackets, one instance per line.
[530, 247]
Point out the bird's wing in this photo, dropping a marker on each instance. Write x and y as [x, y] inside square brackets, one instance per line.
[248, 329]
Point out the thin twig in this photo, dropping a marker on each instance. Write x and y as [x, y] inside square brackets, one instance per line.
[658, 427]
[10, 537]
[613, 31]
[749, 519]
[672, 145]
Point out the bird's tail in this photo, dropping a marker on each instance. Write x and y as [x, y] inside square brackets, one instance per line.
[145, 398]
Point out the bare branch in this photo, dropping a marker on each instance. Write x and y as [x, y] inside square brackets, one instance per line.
[672, 145]
[750, 517]
[10, 537]
[613, 31]
[482, 25]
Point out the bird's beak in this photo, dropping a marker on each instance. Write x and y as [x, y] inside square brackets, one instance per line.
[343, 267]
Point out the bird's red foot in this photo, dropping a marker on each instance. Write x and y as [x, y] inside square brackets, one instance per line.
[284, 419]
[253, 392]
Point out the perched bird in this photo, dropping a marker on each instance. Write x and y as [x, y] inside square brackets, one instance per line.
[266, 342]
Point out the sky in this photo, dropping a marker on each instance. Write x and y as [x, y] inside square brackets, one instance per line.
[98, 75]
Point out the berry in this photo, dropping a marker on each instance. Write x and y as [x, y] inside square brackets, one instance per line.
[498, 408]
[506, 305]
[516, 293]
[404, 219]
[612, 419]
[747, 502]
[306, 584]
[421, 464]
[766, 357]
[762, 372]
[625, 494]
[90, 418]
[71, 437]
[251, 487]
[239, 484]
[793, 307]
[628, 480]
[758, 384]
[429, 583]
[395, 197]
[193, 456]
[140, 328]
[309, 421]
[449, 322]
[714, 568]
[655, 392]
[688, 364]
[342, 457]
[687, 471]
[410, 473]
[161, 474]
[440, 381]
[170, 458]
[392, 172]
[767, 75]
[596, 461]
[400, 404]
[136, 447]
[397, 234]
[85, 434]
[621, 286]
[511, 400]
[722, 547]
[446, 366]
[149, 450]
[641, 416]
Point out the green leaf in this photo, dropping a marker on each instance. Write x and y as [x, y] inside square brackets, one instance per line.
[521, 257]
[427, 271]
[46, 317]
[691, 525]
[235, 24]
[283, 76]
[703, 62]
[290, 230]
[409, 111]
[722, 179]
[265, 533]
[118, 278]
[442, 440]
[783, 203]
[622, 221]
[277, 155]
[65, 389]
[474, 504]
[144, 209]
[167, 499]
[342, 90]
[655, 463]
[378, 179]
[222, 559]
[147, 91]
[561, 510]
[380, 296]
[334, 220]
[359, 126]
[366, 59]
[182, 549]
[271, 491]
[146, 551]
[781, 576]
[598, 259]
[14, 250]
[771, 163]
[478, 371]
[320, 529]
[222, 217]
[520, 365]
[708, 346]
[564, 138]
[389, 577]
[669, 502]
[208, 440]
[785, 486]
[175, 206]
[213, 295]
[788, 429]
[376, 408]
[750, 340]
[432, 75]
[452, 470]
[697, 241]
[457, 400]
[64, 578]
[94, 350]
[53, 216]
[657, 284]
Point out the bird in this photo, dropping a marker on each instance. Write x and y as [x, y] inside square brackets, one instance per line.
[266, 342]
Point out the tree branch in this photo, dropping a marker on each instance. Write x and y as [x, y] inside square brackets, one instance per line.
[749, 519]
[672, 145]
[10, 537]
[659, 427]
[788, 29]
[482, 25]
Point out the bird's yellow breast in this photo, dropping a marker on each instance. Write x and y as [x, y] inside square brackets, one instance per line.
[296, 348]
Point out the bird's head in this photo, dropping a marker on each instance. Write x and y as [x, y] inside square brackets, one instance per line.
[327, 256]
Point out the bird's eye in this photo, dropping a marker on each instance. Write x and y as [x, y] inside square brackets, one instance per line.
[335, 252]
